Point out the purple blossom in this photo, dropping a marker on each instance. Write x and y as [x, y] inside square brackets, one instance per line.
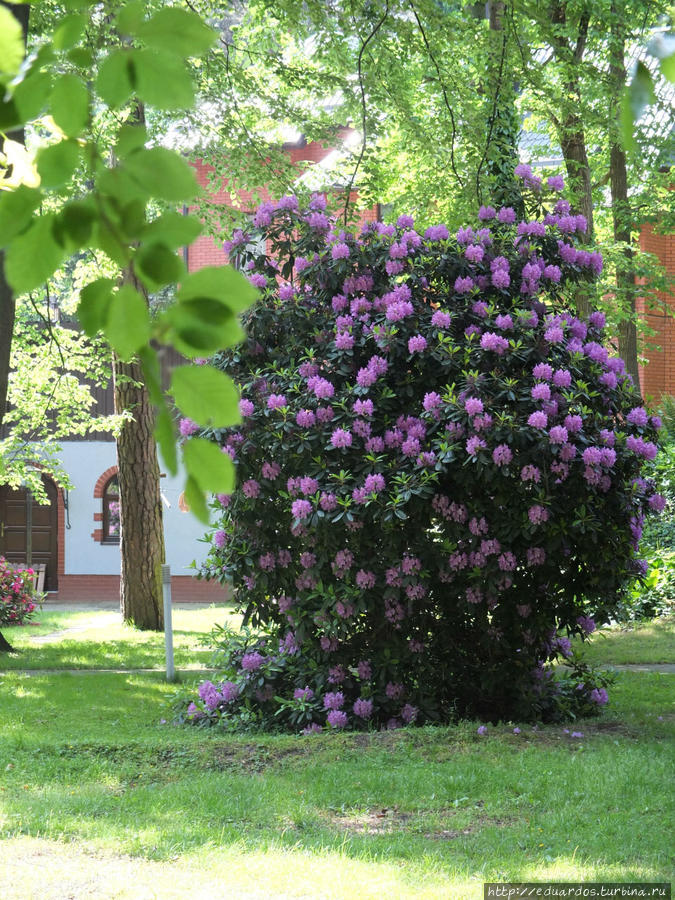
[337, 718]
[485, 213]
[365, 580]
[334, 700]
[187, 427]
[558, 434]
[251, 488]
[506, 215]
[495, 342]
[474, 444]
[599, 696]
[481, 730]
[340, 251]
[301, 509]
[437, 233]
[363, 708]
[502, 455]
[587, 624]
[305, 418]
[344, 340]
[252, 661]
[305, 693]
[562, 378]
[417, 343]
[220, 539]
[341, 438]
[541, 391]
[537, 514]
[638, 416]
[537, 419]
[473, 406]
[276, 401]
[441, 319]
[464, 285]
[246, 408]
[363, 407]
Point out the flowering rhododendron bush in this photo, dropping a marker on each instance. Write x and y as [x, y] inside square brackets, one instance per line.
[18, 599]
[438, 472]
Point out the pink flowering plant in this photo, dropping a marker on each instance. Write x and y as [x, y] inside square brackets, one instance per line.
[439, 470]
[18, 598]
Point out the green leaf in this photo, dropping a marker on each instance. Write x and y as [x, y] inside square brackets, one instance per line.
[206, 395]
[201, 326]
[10, 117]
[222, 283]
[177, 30]
[32, 94]
[641, 91]
[130, 16]
[56, 163]
[212, 469]
[130, 138]
[626, 124]
[12, 49]
[128, 325]
[92, 310]
[668, 67]
[82, 57]
[16, 211]
[166, 440]
[163, 174]
[75, 4]
[162, 80]
[70, 105]
[152, 374]
[158, 265]
[69, 31]
[174, 229]
[75, 224]
[196, 501]
[113, 83]
[33, 256]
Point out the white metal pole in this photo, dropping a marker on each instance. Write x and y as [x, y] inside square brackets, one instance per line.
[168, 630]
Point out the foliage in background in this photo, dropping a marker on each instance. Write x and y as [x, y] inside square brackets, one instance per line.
[96, 67]
[438, 469]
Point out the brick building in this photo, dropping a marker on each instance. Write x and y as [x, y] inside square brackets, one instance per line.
[658, 376]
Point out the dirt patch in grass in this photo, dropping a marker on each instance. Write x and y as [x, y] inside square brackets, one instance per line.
[429, 825]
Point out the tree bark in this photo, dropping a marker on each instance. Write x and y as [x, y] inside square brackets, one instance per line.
[621, 211]
[142, 534]
[5, 646]
[501, 155]
[570, 125]
[7, 299]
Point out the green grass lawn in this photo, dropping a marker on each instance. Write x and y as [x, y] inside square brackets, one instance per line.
[643, 642]
[95, 791]
[102, 641]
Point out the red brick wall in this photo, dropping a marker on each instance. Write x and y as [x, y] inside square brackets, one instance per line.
[92, 588]
[658, 376]
[205, 251]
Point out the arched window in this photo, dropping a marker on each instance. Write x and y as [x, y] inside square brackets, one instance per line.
[111, 512]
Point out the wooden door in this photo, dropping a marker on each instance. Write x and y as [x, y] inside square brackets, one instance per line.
[28, 529]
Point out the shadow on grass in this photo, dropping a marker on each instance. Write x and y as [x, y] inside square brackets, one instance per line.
[89, 761]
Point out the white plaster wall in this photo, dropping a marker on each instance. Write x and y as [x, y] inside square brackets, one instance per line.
[85, 461]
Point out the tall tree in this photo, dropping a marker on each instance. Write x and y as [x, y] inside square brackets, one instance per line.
[621, 210]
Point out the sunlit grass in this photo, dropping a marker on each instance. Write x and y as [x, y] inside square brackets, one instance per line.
[88, 767]
[641, 643]
[102, 641]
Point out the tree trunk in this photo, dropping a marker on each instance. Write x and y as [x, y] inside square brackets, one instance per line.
[7, 299]
[142, 535]
[501, 154]
[621, 211]
[570, 126]
[5, 646]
